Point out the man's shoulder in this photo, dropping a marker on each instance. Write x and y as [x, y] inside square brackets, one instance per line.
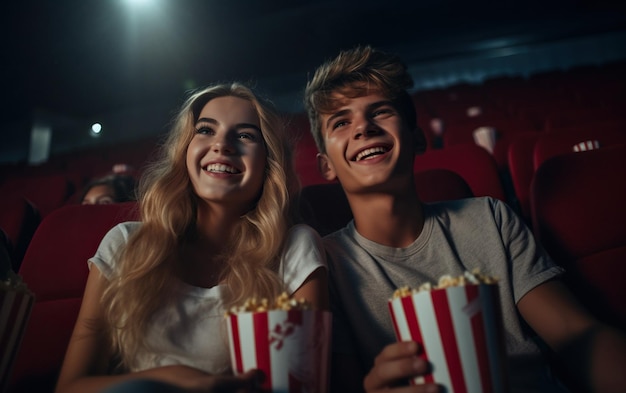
[342, 240]
[470, 211]
[465, 204]
[339, 235]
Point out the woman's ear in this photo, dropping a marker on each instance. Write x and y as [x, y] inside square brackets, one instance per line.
[325, 167]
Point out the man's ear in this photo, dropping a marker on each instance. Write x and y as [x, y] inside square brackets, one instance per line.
[325, 167]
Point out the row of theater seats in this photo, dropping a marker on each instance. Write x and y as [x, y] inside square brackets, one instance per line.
[532, 167]
[29, 193]
[528, 151]
[578, 211]
[533, 118]
[574, 106]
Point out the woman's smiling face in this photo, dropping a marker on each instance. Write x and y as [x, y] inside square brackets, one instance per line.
[226, 158]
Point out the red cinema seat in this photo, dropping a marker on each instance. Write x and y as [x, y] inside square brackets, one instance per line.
[473, 163]
[18, 219]
[587, 116]
[45, 192]
[325, 207]
[578, 204]
[555, 143]
[55, 270]
[520, 163]
[305, 161]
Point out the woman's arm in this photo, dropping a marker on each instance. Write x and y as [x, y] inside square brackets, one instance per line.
[87, 358]
[88, 353]
[592, 351]
[305, 251]
[315, 289]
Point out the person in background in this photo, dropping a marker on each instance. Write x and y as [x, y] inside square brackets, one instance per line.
[364, 124]
[218, 226]
[108, 189]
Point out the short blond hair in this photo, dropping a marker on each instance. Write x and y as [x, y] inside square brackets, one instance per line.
[355, 73]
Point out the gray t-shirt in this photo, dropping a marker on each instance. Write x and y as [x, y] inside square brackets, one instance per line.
[477, 233]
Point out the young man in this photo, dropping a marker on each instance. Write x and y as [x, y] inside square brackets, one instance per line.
[363, 121]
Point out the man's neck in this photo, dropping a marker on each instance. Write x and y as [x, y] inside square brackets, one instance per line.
[390, 220]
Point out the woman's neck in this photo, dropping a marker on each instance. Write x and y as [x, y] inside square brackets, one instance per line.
[215, 224]
[204, 254]
[201, 263]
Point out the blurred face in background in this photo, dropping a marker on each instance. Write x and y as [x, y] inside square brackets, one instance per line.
[101, 194]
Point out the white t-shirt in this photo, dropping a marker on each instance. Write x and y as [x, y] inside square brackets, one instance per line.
[193, 333]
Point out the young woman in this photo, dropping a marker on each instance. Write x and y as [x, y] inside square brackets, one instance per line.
[217, 227]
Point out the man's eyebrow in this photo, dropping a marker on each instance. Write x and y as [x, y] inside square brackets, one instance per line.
[371, 106]
[336, 115]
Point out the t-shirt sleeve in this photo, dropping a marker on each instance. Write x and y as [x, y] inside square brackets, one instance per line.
[111, 244]
[304, 253]
[530, 263]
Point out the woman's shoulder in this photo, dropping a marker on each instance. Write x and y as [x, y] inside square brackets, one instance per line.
[126, 228]
[121, 231]
[303, 230]
[116, 237]
[303, 233]
[303, 253]
[302, 238]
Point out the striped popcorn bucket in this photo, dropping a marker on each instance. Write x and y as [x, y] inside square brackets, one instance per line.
[15, 308]
[292, 348]
[461, 334]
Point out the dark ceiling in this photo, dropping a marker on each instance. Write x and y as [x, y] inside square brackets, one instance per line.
[80, 58]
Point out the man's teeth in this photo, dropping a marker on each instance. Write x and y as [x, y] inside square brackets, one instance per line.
[371, 151]
[220, 168]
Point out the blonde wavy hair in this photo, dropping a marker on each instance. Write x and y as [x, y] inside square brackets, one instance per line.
[146, 265]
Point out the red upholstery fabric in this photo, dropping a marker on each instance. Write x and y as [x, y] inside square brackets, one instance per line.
[584, 116]
[555, 143]
[43, 347]
[473, 163]
[46, 192]
[462, 132]
[578, 205]
[305, 150]
[325, 207]
[306, 167]
[55, 269]
[520, 159]
[18, 219]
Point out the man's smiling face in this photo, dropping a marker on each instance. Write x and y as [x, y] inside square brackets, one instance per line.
[367, 142]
